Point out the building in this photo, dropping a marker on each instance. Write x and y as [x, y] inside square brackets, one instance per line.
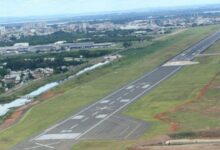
[2, 30]
[21, 44]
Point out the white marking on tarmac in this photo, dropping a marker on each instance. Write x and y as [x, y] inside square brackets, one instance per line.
[146, 86]
[104, 101]
[85, 119]
[41, 145]
[138, 126]
[66, 131]
[78, 117]
[44, 145]
[76, 125]
[101, 116]
[95, 113]
[58, 136]
[125, 100]
[104, 108]
[125, 130]
[125, 94]
[130, 87]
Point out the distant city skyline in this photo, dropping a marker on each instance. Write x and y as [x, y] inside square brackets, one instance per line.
[25, 8]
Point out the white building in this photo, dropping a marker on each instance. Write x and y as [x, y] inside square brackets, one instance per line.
[2, 30]
[21, 44]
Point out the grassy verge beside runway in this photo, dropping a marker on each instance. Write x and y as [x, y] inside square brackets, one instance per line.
[193, 114]
[90, 87]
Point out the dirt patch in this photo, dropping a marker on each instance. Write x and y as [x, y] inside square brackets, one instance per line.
[16, 115]
[164, 116]
[48, 95]
[19, 112]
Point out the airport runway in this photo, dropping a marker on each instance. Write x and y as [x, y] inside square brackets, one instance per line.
[64, 135]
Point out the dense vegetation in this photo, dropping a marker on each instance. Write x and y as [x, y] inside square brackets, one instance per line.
[54, 60]
[3, 72]
[97, 37]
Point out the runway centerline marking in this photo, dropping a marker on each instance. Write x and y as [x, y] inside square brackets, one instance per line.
[104, 108]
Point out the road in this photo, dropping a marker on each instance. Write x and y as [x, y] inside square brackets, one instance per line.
[64, 135]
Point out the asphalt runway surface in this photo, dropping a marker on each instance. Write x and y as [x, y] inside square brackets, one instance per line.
[93, 120]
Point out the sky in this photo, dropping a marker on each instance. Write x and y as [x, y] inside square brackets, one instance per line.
[21, 8]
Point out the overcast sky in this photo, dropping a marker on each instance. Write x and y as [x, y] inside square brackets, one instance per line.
[9, 8]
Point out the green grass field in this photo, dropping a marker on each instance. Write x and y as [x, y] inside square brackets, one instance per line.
[92, 86]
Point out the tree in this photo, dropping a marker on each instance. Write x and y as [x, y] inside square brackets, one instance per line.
[3, 72]
[127, 44]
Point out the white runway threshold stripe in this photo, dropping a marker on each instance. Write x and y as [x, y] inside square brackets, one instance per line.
[58, 136]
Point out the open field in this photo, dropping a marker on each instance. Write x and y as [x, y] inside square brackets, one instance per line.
[90, 87]
[204, 109]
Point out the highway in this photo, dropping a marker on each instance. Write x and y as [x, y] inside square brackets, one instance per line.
[65, 134]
